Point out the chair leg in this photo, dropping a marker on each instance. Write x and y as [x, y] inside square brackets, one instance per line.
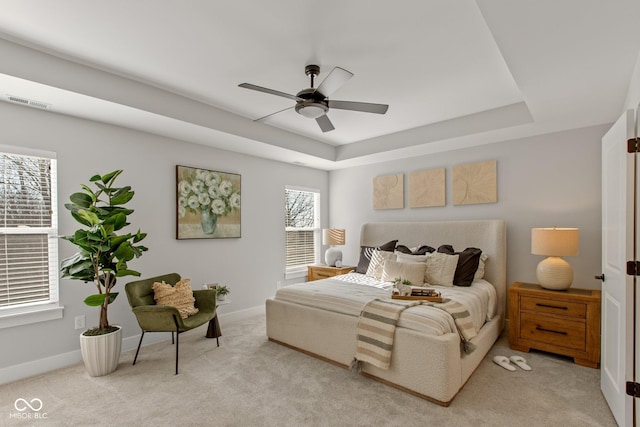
[172, 340]
[138, 349]
[177, 342]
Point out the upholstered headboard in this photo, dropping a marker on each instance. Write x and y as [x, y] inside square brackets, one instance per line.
[488, 235]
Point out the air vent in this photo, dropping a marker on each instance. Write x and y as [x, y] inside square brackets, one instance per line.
[29, 102]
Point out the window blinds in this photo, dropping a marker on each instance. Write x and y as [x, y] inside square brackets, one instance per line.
[300, 248]
[28, 230]
[301, 227]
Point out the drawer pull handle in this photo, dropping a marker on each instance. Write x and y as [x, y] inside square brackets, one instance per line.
[538, 328]
[552, 306]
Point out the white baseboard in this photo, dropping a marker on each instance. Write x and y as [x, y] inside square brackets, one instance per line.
[236, 316]
[41, 366]
[37, 367]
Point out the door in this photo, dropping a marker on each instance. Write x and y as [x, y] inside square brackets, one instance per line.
[617, 248]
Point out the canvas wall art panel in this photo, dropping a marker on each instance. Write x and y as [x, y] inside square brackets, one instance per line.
[427, 188]
[475, 183]
[388, 192]
[208, 204]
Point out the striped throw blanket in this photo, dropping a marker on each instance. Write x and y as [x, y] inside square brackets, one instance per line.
[462, 319]
[376, 329]
[377, 325]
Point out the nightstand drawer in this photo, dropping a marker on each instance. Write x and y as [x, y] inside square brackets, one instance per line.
[547, 306]
[550, 330]
[319, 272]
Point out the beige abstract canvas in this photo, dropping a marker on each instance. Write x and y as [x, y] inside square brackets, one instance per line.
[475, 183]
[388, 192]
[427, 188]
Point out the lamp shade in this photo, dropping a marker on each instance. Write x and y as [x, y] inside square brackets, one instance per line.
[333, 236]
[554, 272]
[555, 241]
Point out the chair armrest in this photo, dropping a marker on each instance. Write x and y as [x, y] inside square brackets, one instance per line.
[205, 300]
[166, 309]
[158, 318]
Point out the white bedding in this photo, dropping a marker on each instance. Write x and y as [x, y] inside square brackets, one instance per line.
[349, 293]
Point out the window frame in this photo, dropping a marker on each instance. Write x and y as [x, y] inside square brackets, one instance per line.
[38, 311]
[299, 271]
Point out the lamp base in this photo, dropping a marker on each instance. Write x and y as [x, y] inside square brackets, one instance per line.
[554, 273]
[332, 255]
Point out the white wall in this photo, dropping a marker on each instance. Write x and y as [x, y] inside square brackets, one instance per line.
[250, 265]
[549, 180]
[633, 94]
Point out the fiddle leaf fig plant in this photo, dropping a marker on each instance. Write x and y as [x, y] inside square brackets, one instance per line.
[103, 254]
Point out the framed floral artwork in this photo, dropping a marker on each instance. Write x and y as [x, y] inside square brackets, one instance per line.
[208, 204]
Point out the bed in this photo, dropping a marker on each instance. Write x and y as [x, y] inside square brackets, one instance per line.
[424, 362]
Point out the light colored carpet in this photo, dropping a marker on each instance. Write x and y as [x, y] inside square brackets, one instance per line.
[249, 381]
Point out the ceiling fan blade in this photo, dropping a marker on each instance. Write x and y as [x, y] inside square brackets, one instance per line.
[324, 123]
[269, 91]
[272, 114]
[364, 107]
[336, 78]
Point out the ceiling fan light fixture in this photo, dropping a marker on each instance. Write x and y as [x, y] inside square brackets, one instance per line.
[311, 110]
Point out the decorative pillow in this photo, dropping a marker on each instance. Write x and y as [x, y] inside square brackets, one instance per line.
[403, 257]
[377, 263]
[411, 271]
[424, 249]
[480, 271]
[441, 268]
[366, 251]
[179, 296]
[467, 264]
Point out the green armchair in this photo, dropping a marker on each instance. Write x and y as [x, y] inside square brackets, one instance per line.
[162, 318]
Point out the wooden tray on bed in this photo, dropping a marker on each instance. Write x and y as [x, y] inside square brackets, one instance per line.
[417, 297]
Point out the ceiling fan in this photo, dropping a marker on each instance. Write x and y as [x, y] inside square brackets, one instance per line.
[314, 103]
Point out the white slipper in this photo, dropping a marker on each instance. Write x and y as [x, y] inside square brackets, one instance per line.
[504, 362]
[519, 360]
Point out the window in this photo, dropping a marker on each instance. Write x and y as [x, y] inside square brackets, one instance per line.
[28, 239]
[302, 229]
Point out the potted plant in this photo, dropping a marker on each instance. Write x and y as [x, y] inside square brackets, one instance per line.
[402, 286]
[221, 292]
[102, 257]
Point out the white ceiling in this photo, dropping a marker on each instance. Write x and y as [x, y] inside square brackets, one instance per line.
[455, 73]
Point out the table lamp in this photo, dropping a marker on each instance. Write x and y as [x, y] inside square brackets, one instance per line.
[333, 237]
[554, 272]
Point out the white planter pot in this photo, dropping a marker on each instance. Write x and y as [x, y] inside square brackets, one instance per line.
[101, 353]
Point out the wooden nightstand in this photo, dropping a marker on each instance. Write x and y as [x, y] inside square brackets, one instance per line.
[317, 272]
[561, 322]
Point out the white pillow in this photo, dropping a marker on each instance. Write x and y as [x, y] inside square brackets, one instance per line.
[411, 271]
[377, 263]
[440, 269]
[480, 271]
[402, 257]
